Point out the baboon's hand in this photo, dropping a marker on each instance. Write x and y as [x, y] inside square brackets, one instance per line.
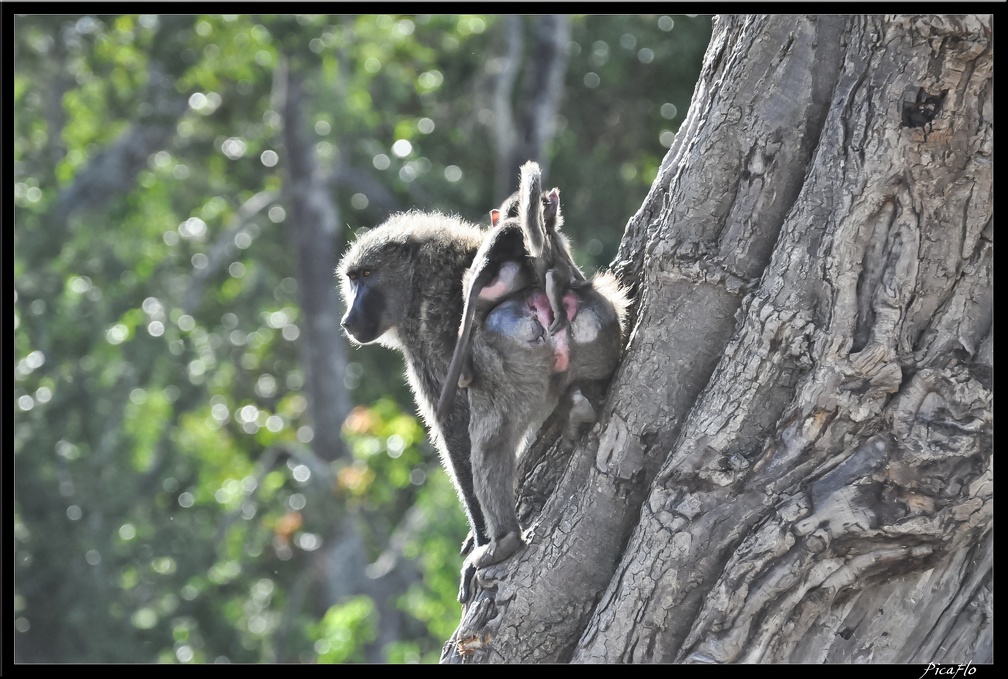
[465, 581]
[581, 413]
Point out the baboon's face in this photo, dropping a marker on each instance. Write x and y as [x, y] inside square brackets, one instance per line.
[374, 282]
[367, 317]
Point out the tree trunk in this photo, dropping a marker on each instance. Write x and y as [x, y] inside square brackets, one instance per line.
[342, 565]
[794, 463]
[524, 124]
[314, 228]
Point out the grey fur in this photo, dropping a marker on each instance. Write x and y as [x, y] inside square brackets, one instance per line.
[411, 301]
[524, 249]
[402, 283]
[519, 386]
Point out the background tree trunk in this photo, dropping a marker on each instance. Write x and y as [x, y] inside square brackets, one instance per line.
[524, 122]
[342, 565]
[315, 233]
[795, 460]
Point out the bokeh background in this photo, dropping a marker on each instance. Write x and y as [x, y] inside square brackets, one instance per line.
[203, 470]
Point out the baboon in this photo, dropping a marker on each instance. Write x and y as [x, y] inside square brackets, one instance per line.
[524, 249]
[555, 269]
[402, 284]
[523, 372]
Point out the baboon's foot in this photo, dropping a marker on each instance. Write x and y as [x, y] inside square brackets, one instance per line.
[497, 550]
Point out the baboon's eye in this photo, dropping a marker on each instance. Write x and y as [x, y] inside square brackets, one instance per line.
[352, 275]
[365, 273]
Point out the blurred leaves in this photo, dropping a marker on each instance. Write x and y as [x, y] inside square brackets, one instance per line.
[168, 505]
[344, 630]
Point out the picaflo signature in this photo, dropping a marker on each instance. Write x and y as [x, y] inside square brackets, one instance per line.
[949, 671]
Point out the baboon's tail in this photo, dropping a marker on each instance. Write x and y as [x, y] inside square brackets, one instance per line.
[530, 207]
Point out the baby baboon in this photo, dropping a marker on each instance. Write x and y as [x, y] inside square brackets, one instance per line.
[524, 249]
[523, 372]
[555, 269]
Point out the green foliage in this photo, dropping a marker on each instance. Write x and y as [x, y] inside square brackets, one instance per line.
[437, 552]
[629, 83]
[345, 630]
[168, 506]
[393, 481]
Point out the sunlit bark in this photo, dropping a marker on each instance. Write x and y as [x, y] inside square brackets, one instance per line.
[795, 460]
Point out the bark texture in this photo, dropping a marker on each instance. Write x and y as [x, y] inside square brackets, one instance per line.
[795, 460]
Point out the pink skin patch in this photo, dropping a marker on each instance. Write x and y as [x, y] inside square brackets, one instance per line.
[561, 351]
[502, 284]
[538, 302]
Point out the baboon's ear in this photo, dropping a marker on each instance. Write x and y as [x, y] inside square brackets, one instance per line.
[551, 204]
[494, 217]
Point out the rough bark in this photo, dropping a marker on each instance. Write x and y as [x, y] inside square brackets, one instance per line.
[795, 460]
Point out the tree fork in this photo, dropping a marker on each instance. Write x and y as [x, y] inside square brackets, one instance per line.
[795, 460]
